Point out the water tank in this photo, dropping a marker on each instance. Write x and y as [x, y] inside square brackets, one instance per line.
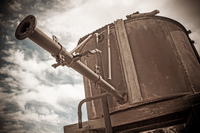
[149, 58]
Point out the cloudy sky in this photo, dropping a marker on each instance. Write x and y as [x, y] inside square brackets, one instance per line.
[36, 98]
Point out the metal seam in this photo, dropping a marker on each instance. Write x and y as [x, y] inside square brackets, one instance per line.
[181, 60]
[136, 80]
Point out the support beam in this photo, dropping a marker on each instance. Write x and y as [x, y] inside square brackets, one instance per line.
[130, 72]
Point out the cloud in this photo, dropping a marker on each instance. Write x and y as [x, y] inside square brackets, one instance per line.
[34, 97]
[15, 6]
[86, 17]
[8, 40]
[28, 74]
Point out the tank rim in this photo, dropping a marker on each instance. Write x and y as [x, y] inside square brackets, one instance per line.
[135, 19]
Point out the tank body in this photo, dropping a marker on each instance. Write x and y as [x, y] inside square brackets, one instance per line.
[148, 67]
[147, 58]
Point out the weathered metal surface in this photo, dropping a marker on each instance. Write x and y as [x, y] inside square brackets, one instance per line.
[187, 57]
[152, 54]
[170, 129]
[158, 65]
[116, 67]
[163, 61]
[145, 117]
[99, 59]
[106, 116]
[131, 79]
[166, 67]
[91, 62]
[137, 14]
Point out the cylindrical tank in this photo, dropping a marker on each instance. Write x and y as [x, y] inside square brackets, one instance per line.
[149, 58]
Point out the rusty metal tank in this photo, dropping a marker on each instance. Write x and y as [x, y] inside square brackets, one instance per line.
[148, 69]
[149, 58]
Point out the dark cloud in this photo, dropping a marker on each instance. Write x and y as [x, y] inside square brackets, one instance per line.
[19, 126]
[27, 84]
[7, 83]
[11, 108]
[50, 118]
[13, 11]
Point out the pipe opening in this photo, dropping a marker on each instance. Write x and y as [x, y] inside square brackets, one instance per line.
[25, 26]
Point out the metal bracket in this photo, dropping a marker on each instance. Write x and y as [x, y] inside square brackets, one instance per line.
[137, 14]
[88, 53]
[55, 39]
[60, 59]
[78, 56]
[97, 71]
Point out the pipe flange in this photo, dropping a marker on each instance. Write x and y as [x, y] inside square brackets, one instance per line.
[26, 27]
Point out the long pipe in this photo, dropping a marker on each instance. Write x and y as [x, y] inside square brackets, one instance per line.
[109, 54]
[27, 28]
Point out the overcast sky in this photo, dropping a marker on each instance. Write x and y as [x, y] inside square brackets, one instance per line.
[36, 98]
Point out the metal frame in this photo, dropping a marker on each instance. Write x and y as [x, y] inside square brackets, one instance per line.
[106, 114]
[152, 115]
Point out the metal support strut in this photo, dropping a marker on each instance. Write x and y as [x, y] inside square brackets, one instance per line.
[87, 100]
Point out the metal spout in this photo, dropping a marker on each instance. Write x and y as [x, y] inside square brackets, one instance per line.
[27, 29]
